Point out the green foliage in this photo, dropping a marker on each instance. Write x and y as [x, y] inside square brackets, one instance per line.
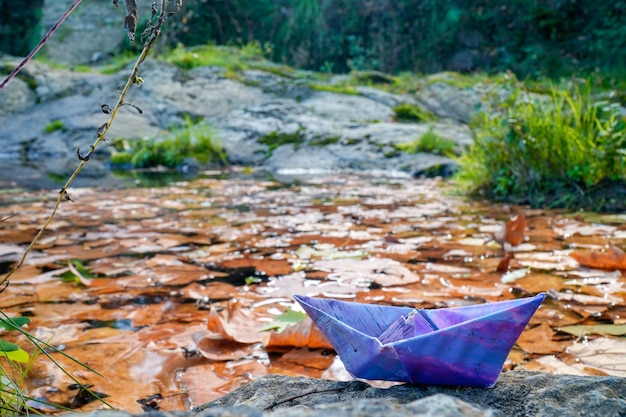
[12, 369]
[529, 37]
[430, 143]
[189, 141]
[407, 112]
[554, 150]
[53, 126]
[275, 139]
[21, 27]
[289, 318]
[230, 58]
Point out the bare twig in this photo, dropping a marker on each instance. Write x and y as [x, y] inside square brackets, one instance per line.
[102, 130]
[40, 44]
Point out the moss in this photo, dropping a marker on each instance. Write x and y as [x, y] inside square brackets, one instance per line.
[372, 77]
[275, 139]
[337, 89]
[430, 143]
[325, 141]
[407, 112]
[54, 126]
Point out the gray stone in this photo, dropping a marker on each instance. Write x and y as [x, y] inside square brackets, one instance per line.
[515, 394]
[335, 132]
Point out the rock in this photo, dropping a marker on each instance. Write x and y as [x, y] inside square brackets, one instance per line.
[517, 393]
[74, 42]
[314, 131]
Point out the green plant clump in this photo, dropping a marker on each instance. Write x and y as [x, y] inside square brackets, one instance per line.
[54, 126]
[430, 142]
[189, 141]
[407, 112]
[561, 150]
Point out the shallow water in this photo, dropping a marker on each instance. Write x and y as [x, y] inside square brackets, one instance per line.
[178, 280]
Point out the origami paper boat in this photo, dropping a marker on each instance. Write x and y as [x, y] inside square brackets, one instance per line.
[464, 346]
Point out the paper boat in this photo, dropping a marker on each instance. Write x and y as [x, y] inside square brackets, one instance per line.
[464, 346]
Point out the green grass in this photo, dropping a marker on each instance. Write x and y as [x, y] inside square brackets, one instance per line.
[559, 150]
[54, 126]
[231, 58]
[407, 112]
[430, 143]
[188, 141]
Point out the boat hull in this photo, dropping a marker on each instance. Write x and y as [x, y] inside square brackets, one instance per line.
[462, 346]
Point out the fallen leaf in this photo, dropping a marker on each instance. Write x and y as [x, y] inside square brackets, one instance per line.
[512, 232]
[606, 354]
[613, 258]
[216, 348]
[503, 265]
[303, 334]
[601, 329]
[289, 318]
[513, 276]
[539, 340]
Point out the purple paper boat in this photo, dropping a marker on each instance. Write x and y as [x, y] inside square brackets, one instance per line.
[463, 346]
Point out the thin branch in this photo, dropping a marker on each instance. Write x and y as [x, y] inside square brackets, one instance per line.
[40, 44]
[102, 131]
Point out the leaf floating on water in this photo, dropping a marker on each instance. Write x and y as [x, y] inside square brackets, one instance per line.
[302, 334]
[512, 232]
[513, 276]
[539, 339]
[289, 318]
[613, 258]
[601, 329]
[606, 354]
[503, 265]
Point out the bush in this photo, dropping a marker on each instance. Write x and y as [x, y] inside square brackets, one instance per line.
[430, 143]
[189, 141]
[557, 150]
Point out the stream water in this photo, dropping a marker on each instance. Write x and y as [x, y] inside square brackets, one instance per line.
[163, 290]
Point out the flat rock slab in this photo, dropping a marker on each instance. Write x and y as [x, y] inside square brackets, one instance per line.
[516, 394]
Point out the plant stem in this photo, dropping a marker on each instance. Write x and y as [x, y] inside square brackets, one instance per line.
[40, 44]
[101, 134]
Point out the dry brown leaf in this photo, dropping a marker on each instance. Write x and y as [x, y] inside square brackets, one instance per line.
[237, 322]
[512, 232]
[613, 258]
[302, 334]
[539, 340]
[216, 348]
